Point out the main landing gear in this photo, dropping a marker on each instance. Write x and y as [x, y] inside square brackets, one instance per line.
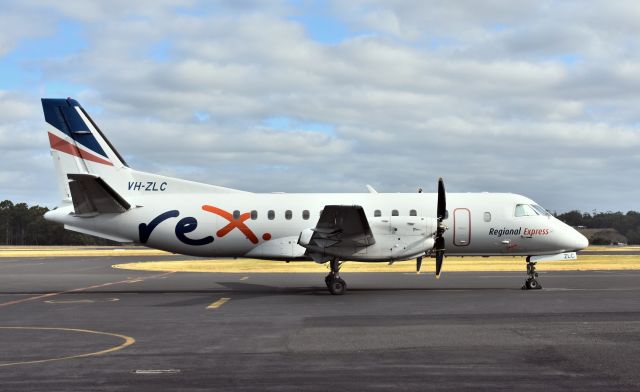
[531, 283]
[336, 285]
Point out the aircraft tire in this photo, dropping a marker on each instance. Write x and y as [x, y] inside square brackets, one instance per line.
[533, 284]
[337, 286]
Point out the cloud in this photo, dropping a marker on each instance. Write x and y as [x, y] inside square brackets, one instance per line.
[529, 97]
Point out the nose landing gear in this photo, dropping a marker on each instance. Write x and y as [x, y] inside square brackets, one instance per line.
[532, 282]
[335, 284]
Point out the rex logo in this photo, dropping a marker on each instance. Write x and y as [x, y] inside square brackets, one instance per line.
[189, 224]
[233, 223]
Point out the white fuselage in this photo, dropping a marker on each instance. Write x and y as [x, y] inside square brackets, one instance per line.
[478, 224]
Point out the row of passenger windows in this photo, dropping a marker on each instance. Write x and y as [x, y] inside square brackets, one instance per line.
[520, 210]
[271, 214]
[288, 214]
[395, 213]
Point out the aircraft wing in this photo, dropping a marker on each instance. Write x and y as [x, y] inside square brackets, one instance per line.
[343, 226]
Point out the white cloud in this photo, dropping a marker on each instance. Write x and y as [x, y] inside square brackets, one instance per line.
[531, 97]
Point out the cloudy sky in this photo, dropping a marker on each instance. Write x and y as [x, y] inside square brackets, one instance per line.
[536, 97]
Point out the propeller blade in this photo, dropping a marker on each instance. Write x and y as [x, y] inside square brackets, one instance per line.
[441, 215]
[439, 247]
[439, 258]
[418, 264]
[442, 201]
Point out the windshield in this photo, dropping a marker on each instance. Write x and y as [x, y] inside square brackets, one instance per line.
[530, 210]
[541, 210]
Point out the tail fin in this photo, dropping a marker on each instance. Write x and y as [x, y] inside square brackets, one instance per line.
[78, 146]
[91, 174]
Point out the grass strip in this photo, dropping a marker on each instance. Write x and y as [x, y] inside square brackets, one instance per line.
[451, 264]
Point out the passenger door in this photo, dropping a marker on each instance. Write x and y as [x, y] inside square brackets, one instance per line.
[461, 227]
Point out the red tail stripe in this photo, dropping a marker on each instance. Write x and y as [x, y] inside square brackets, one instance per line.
[66, 147]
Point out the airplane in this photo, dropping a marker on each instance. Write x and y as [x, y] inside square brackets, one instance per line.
[102, 196]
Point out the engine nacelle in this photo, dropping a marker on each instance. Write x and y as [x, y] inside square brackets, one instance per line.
[305, 237]
[400, 237]
[411, 226]
[397, 238]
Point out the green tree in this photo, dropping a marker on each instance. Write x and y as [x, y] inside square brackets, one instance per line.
[24, 225]
[5, 221]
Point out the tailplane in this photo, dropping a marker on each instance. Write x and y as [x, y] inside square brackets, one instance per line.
[92, 195]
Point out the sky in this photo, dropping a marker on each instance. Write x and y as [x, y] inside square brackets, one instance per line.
[540, 98]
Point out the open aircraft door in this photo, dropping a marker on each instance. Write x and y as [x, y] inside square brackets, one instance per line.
[461, 227]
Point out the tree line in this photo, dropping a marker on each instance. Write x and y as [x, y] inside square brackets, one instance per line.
[24, 225]
[626, 224]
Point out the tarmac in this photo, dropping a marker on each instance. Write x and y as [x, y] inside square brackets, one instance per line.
[77, 323]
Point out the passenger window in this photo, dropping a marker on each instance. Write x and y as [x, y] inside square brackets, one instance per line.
[413, 213]
[288, 214]
[254, 214]
[394, 213]
[271, 214]
[525, 210]
[487, 216]
[305, 214]
[377, 213]
[236, 214]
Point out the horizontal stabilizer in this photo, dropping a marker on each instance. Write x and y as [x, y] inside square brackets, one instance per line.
[91, 195]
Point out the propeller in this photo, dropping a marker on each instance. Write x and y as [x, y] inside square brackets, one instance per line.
[441, 215]
[441, 228]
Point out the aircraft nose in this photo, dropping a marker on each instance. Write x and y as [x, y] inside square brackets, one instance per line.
[579, 241]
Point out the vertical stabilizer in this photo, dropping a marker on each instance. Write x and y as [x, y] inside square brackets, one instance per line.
[81, 151]
[78, 146]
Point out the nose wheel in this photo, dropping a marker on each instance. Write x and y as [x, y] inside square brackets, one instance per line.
[334, 283]
[532, 277]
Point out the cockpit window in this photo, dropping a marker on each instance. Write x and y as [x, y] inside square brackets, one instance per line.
[540, 210]
[525, 210]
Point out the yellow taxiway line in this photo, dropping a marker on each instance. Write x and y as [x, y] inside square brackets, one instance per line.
[81, 289]
[218, 303]
[128, 341]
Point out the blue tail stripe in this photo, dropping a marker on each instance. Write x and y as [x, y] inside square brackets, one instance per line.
[52, 114]
[61, 114]
[74, 121]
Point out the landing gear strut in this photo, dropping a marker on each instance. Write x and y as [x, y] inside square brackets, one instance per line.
[336, 285]
[531, 283]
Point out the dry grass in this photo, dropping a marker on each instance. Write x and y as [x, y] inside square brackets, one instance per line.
[584, 263]
[498, 263]
[611, 248]
[77, 251]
